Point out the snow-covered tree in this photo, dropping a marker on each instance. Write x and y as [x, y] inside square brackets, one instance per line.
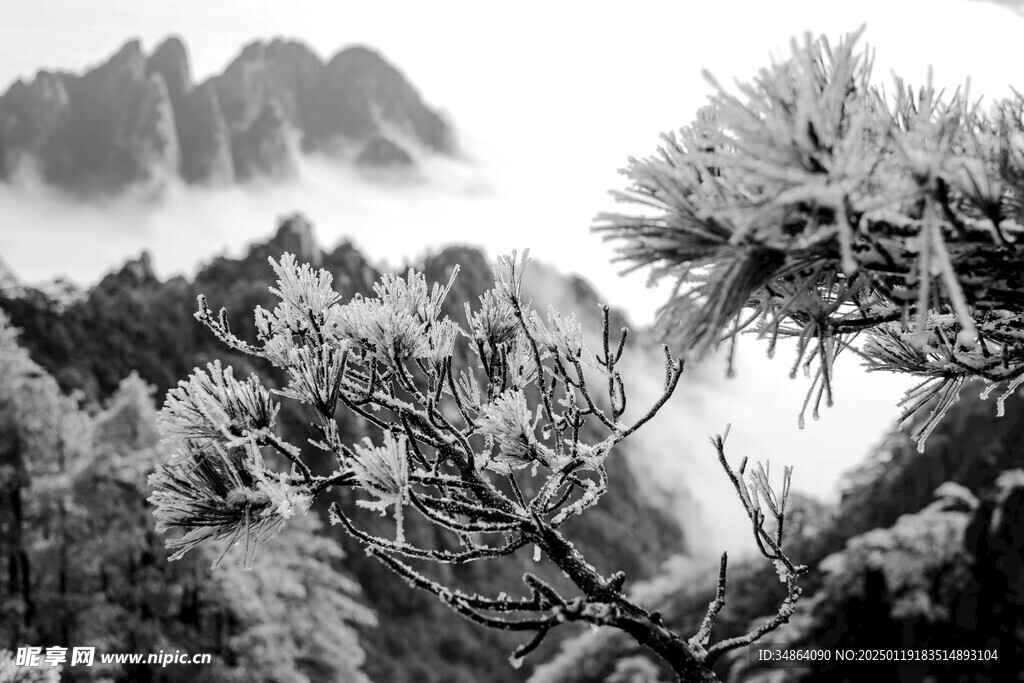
[812, 205]
[483, 431]
[816, 206]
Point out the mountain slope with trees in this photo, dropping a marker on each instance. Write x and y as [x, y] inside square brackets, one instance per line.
[84, 567]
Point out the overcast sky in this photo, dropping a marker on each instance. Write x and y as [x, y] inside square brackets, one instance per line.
[548, 98]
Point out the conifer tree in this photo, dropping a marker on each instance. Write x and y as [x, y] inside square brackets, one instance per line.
[483, 431]
[815, 206]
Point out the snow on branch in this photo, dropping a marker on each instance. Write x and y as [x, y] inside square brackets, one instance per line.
[485, 432]
[811, 204]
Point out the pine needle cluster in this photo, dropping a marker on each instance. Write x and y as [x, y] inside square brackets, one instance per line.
[814, 205]
[494, 432]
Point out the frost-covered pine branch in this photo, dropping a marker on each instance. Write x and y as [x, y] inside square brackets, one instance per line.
[495, 452]
[814, 205]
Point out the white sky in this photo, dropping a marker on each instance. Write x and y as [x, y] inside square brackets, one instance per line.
[548, 98]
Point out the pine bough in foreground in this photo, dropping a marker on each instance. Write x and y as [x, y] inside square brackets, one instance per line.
[494, 453]
[818, 207]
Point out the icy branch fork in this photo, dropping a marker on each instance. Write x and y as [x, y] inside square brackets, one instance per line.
[483, 434]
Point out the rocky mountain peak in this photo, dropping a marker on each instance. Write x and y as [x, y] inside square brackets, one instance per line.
[140, 119]
[206, 154]
[137, 272]
[367, 91]
[295, 236]
[362, 63]
[129, 58]
[251, 52]
[170, 60]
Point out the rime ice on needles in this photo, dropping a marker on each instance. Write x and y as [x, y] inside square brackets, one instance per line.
[561, 335]
[222, 493]
[213, 405]
[508, 275]
[441, 338]
[495, 454]
[383, 471]
[814, 205]
[315, 374]
[508, 422]
[383, 333]
[412, 295]
[303, 292]
[401, 322]
[494, 321]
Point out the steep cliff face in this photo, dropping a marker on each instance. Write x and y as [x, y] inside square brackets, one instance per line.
[170, 60]
[285, 71]
[34, 118]
[142, 120]
[122, 125]
[204, 138]
[110, 128]
[363, 95]
[267, 148]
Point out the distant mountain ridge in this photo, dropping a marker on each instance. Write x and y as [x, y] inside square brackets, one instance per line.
[141, 119]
